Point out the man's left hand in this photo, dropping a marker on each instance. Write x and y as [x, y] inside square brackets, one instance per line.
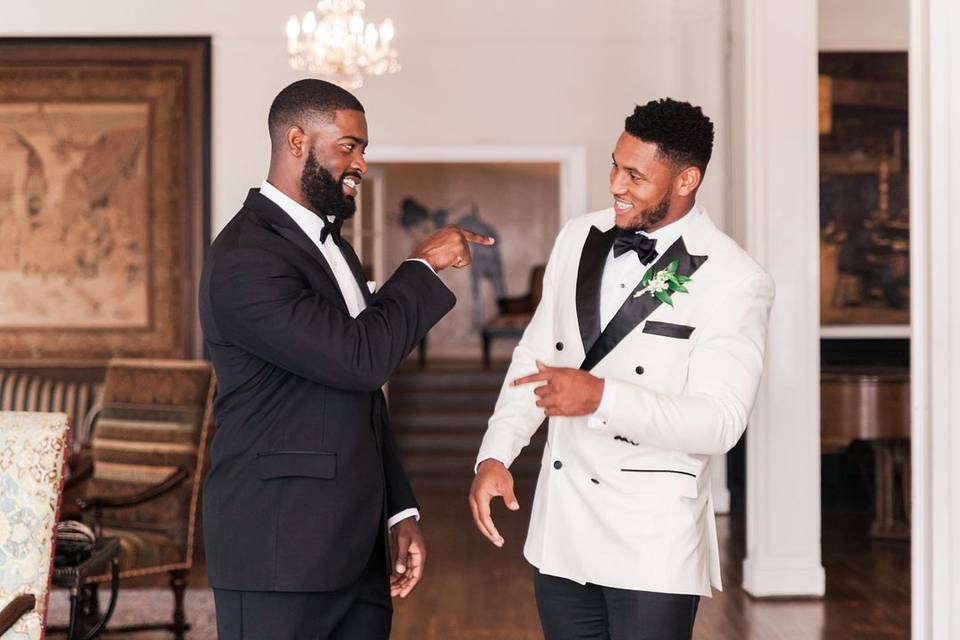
[409, 553]
[567, 392]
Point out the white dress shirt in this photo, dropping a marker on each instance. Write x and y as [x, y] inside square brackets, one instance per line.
[312, 225]
[621, 275]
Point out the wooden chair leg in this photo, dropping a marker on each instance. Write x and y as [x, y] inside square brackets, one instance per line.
[88, 609]
[178, 584]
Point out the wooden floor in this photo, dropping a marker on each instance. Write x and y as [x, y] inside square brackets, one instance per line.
[473, 591]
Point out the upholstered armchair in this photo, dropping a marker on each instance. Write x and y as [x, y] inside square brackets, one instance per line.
[148, 447]
[33, 449]
[513, 315]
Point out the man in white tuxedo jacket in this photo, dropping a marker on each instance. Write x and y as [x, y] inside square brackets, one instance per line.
[645, 354]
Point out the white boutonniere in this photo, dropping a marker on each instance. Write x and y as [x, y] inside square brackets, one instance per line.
[663, 284]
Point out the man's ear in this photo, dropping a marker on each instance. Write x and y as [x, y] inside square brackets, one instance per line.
[295, 141]
[688, 180]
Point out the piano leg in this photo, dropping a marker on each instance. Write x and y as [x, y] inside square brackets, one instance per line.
[892, 489]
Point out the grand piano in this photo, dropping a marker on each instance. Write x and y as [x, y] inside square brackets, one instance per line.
[869, 401]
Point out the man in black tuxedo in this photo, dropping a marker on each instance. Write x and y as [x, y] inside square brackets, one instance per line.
[306, 488]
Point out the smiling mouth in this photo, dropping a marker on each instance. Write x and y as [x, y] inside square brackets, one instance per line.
[350, 184]
[620, 206]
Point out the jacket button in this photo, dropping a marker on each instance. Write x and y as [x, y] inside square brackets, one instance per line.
[639, 371]
[559, 346]
[594, 481]
[557, 464]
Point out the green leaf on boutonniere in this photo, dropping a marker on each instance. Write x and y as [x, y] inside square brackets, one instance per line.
[663, 284]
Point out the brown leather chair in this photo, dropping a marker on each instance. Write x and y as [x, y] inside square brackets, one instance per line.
[148, 450]
[514, 314]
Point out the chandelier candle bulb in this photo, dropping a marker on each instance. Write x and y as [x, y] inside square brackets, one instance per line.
[309, 22]
[336, 42]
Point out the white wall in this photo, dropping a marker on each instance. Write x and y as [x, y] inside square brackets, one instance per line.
[537, 72]
[864, 25]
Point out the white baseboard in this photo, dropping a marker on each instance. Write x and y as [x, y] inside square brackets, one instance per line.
[772, 578]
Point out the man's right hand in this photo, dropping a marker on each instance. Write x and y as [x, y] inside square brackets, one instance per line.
[449, 247]
[492, 479]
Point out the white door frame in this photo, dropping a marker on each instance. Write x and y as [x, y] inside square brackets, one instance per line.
[935, 316]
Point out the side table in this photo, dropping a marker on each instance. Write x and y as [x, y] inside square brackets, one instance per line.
[75, 578]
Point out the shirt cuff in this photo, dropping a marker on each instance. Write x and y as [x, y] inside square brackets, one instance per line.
[599, 418]
[424, 262]
[403, 515]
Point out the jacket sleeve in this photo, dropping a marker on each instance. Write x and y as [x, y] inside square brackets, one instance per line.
[262, 304]
[400, 496]
[516, 416]
[724, 373]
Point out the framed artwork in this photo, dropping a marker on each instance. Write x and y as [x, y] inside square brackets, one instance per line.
[104, 205]
[864, 192]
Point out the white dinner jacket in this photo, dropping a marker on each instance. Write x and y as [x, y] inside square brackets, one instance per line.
[628, 504]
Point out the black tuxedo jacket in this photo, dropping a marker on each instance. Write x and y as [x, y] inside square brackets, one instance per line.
[304, 471]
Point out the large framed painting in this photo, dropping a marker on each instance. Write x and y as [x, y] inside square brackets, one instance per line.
[104, 182]
[864, 193]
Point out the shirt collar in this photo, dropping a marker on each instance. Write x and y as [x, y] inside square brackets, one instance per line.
[307, 220]
[666, 236]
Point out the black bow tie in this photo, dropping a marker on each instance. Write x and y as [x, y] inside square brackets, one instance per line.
[331, 229]
[645, 246]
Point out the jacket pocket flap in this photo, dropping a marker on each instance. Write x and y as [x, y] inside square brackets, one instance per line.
[664, 483]
[668, 329]
[297, 464]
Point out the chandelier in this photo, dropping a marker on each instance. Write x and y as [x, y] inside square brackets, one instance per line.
[335, 42]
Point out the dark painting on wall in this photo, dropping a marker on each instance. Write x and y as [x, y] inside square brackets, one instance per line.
[864, 189]
[104, 148]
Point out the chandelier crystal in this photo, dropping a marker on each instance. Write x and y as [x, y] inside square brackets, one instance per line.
[334, 41]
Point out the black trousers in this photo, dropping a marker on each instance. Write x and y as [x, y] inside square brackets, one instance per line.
[572, 611]
[362, 610]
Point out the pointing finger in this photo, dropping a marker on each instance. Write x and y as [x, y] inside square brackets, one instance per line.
[536, 377]
[476, 238]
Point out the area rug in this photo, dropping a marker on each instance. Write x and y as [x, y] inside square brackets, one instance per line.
[137, 606]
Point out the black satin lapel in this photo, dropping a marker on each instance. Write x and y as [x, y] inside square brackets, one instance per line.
[299, 238]
[636, 309]
[593, 257]
[357, 269]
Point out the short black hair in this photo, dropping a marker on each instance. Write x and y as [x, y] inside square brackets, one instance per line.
[304, 100]
[683, 134]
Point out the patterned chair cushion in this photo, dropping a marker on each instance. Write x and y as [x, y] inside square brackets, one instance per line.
[33, 450]
[155, 420]
[29, 392]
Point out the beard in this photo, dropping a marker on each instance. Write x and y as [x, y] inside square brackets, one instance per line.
[324, 192]
[652, 216]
